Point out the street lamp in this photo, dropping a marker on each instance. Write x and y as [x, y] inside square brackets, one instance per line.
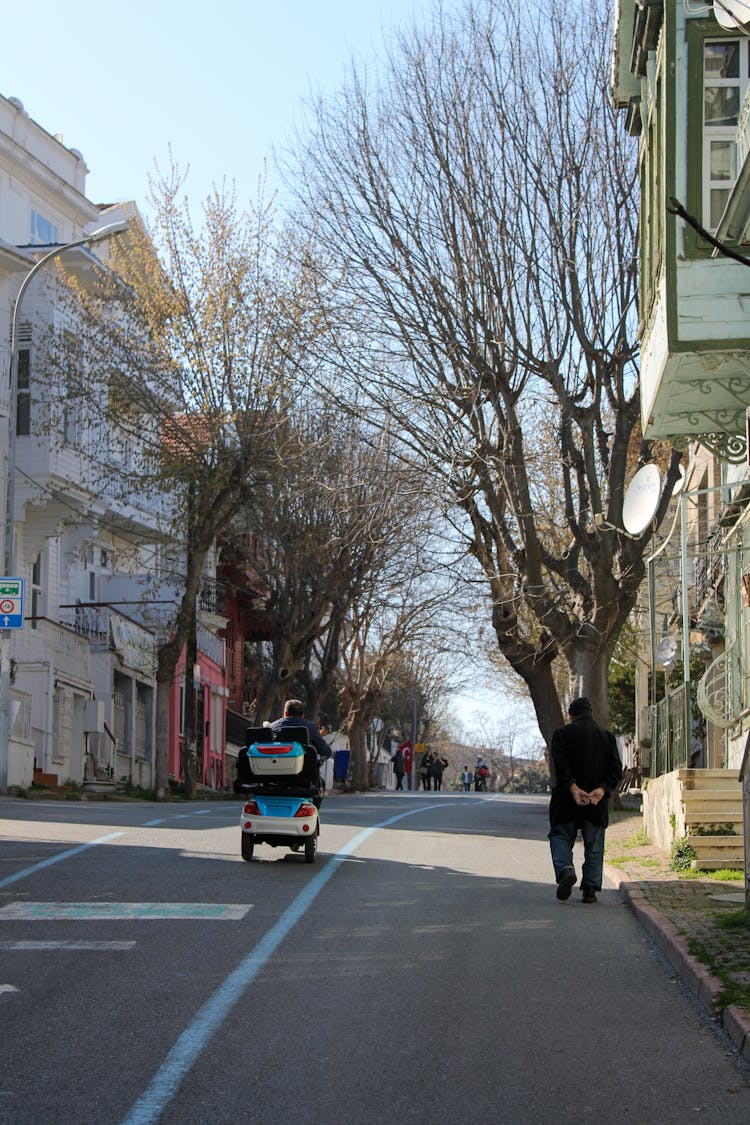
[10, 492]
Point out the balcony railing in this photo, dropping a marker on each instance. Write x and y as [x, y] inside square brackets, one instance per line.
[210, 645]
[212, 596]
[106, 630]
[41, 639]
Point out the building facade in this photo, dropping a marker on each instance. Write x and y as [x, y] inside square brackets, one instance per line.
[98, 567]
[680, 74]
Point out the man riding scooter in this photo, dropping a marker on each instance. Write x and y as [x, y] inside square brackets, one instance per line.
[294, 716]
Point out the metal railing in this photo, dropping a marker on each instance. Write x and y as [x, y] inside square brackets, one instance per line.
[670, 748]
[212, 596]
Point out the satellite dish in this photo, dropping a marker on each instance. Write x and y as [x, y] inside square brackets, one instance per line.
[666, 652]
[641, 500]
[732, 14]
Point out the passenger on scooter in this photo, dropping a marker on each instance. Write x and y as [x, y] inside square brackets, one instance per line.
[294, 716]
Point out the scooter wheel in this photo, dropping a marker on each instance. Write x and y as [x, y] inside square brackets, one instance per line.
[248, 846]
[311, 847]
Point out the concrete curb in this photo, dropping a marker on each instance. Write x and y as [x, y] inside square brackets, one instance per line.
[704, 986]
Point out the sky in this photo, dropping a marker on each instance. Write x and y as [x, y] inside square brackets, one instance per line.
[214, 86]
[220, 85]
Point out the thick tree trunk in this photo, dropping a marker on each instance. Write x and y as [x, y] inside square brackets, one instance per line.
[358, 750]
[588, 676]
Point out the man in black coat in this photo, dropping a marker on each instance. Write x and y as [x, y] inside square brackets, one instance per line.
[294, 716]
[587, 768]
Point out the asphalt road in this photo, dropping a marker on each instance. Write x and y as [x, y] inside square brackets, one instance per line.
[421, 971]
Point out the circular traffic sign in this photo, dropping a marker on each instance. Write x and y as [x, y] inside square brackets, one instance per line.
[7, 606]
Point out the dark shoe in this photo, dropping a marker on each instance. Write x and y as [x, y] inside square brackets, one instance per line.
[565, 883]
[588, 894]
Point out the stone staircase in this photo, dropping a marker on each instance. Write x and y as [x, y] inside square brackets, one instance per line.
[712, 803]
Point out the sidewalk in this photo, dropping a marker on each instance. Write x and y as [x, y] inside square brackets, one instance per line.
[697, 922]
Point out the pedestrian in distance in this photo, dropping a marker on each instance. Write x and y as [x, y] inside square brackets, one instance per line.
[467, 777]
[481, 773]
[438, 766]
[425, 770]
[587, 768]
[399, 769]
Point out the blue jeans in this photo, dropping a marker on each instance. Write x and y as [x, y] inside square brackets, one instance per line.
[562, 837]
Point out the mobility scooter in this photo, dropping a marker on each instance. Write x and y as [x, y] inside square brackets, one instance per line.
[279, 776]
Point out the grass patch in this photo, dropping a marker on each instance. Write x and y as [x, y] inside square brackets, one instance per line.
[616, 861]
[733, 992]
[728, 874]
[735, 920]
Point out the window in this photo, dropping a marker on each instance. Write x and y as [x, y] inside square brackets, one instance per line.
[37, 592]
[23, 388]
[43, 231]
[726, 66]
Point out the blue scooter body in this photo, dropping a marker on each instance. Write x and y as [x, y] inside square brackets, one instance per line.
[279, 807]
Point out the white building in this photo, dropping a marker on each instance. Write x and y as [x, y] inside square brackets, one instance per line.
[83, 696]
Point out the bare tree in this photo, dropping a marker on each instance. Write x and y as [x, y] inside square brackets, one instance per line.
[334, 521]
[394, 618]
[193, 345]
[479, 202]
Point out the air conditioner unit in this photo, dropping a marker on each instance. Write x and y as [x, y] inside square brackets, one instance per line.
[93, 716]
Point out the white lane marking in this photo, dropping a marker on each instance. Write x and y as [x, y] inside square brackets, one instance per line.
[176, 816]
[7, 988]
[188, 1048]
[52, 946]
[57, 858]
[118, 911]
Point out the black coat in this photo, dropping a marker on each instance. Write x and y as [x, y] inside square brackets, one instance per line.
[584, 753]
[316, 738]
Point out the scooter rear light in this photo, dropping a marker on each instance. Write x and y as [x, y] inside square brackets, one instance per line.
[305, 810]
[251, 809]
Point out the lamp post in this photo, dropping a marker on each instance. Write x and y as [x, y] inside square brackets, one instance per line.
[5, 634]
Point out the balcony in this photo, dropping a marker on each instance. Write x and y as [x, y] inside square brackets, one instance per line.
[212, 597]
[211, 646]
[41, 640]
[106, 630]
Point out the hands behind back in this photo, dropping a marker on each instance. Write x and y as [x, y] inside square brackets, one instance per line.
[581, 797]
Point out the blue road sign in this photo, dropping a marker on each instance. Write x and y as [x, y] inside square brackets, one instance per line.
[11, 603]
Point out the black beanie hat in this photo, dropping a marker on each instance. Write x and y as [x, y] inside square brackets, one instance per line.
[580, 706]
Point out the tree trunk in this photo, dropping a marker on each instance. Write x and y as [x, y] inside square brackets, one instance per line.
[358, 750]
[588, 676]
[189, 758]
[161, 755]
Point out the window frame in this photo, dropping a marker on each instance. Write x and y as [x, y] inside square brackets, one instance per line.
[697, 34]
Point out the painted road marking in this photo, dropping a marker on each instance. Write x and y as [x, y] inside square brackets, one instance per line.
[57, 859]
[120, 911]
[176, 816]
[7, 988]
[51, 946]
[188, 1048]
